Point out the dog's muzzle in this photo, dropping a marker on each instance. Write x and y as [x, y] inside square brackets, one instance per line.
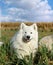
[26, 39]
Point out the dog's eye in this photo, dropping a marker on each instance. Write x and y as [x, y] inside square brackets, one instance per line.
[25, 32]
[31, 32]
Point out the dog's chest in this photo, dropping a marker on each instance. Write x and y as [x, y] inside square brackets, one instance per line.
[28, 46]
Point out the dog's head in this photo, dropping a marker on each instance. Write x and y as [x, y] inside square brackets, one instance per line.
[28, 32]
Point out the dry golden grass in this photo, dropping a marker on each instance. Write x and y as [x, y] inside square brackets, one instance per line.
[15, 25]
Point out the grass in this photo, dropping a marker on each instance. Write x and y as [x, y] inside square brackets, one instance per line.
[42, 56]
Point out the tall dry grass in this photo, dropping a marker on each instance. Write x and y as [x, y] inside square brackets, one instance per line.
[15, 25]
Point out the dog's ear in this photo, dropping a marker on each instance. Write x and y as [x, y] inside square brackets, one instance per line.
[35, 26]
[22, 25]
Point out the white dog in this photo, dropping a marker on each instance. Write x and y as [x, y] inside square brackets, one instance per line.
[25, 40]
[47, 41]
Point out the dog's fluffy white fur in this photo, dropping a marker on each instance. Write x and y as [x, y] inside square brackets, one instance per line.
[21, 45]
[47, 41]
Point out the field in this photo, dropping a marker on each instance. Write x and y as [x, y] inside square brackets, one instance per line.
[8, 58]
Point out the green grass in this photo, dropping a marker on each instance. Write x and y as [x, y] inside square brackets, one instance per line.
[9, 58]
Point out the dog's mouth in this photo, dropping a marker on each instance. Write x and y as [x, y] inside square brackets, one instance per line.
[26, 40]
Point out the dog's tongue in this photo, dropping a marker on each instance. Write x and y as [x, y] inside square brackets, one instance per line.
[27, 40]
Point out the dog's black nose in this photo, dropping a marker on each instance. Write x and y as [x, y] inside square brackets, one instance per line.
[28, 37]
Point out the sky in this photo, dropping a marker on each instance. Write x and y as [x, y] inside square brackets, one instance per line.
[26, 10]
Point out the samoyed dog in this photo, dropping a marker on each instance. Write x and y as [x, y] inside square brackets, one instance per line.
[25, 41]
[47, 41]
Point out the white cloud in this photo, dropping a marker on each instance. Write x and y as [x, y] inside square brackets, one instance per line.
[15, 10]
[28, 10]
[5, 18]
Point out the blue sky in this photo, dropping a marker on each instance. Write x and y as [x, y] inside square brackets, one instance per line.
[26, 10]
[50, 3]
